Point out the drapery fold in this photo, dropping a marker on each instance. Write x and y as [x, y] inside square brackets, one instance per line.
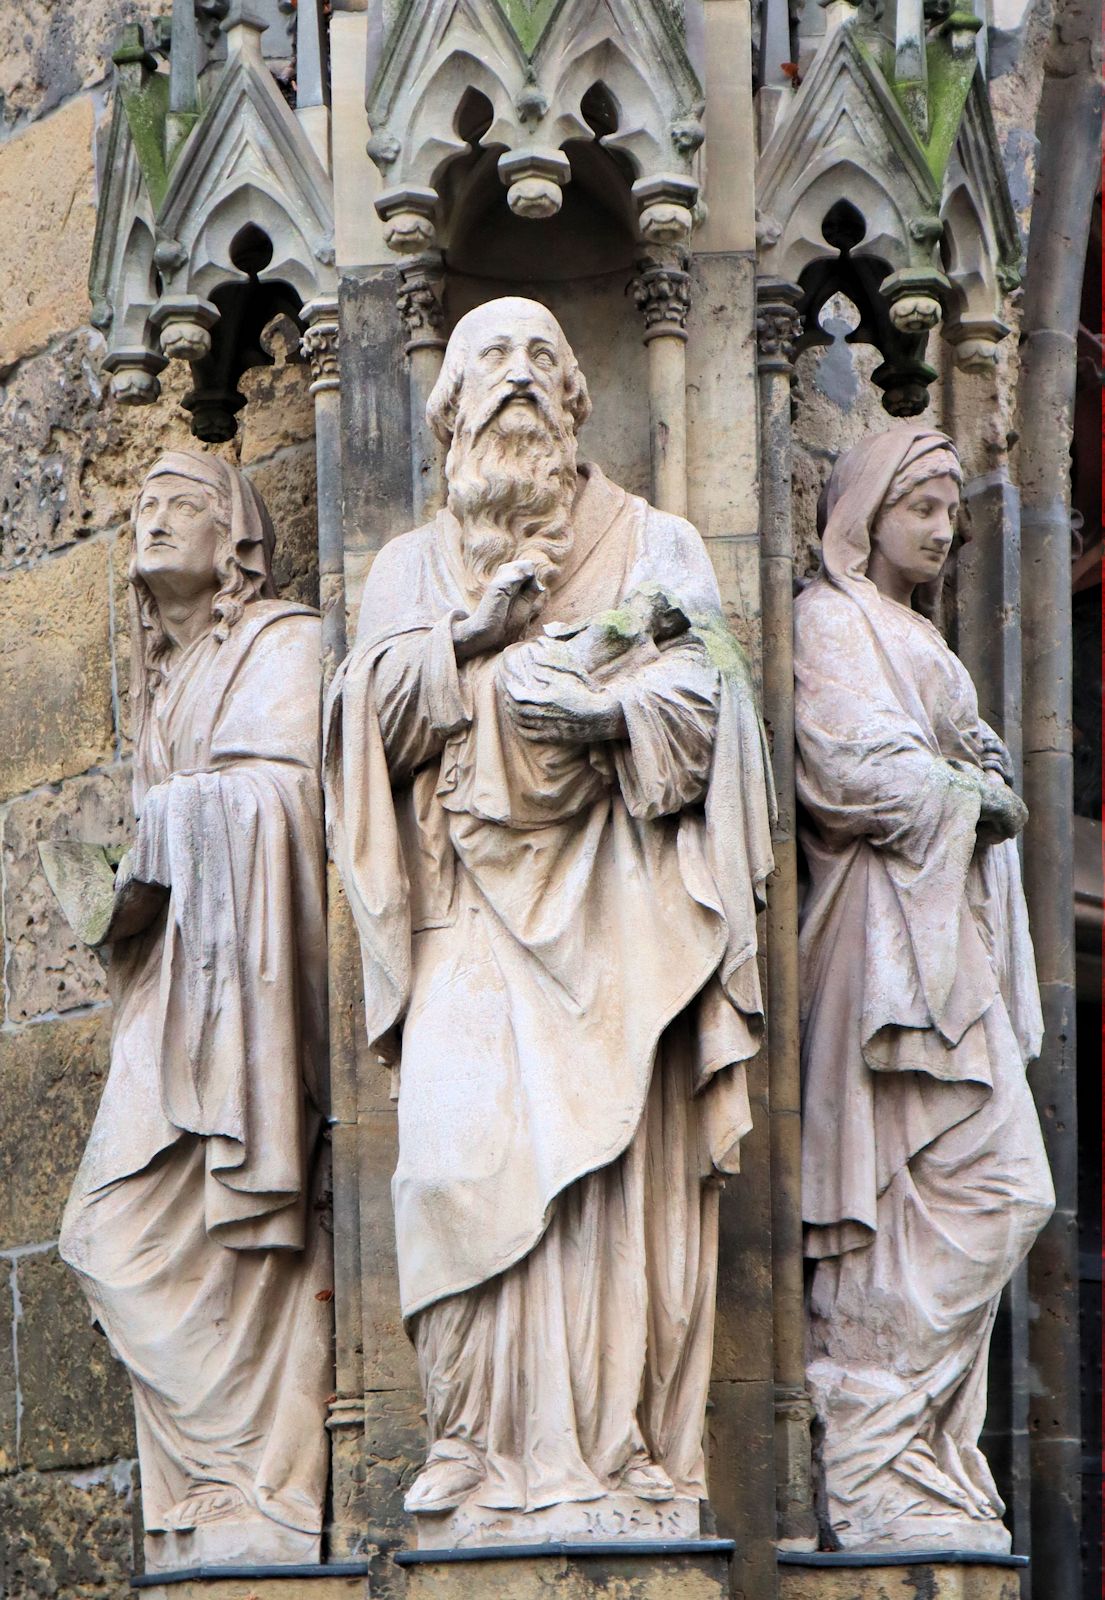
[554, 857]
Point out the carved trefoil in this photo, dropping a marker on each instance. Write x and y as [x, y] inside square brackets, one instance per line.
[216, 212]
[881, 177]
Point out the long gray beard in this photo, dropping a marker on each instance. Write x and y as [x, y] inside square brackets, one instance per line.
[511, 489]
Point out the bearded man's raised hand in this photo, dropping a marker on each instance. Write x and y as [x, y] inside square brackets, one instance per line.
[504, 612]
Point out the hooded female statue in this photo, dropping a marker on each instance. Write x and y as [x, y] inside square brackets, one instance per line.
[924, 1176]
[193, 1221]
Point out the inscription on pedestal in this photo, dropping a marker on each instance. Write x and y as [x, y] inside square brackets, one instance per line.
[616, 1517]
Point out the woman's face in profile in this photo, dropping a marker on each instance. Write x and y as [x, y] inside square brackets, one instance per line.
[912, 538]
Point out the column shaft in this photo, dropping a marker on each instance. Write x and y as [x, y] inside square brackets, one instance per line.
[777, 326]
[662, 292]
[1068, 173]
[320, 347]
[988, 642]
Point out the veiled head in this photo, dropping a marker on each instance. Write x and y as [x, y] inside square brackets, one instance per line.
[199, 526]
[181, 527]
[891, 502]
[915, 527]
[198, 522]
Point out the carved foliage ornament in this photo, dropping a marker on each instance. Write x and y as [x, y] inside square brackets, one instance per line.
[662, 290]
[419, 302]
[319, 344]
[778, 325]
[777, 328]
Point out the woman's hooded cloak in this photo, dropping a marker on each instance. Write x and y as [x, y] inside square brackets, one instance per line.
[890, 769]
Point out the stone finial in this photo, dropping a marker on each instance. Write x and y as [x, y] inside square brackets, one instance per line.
[243, 28]
[134, 376]
[665, 208]
[915, 297]
[408, 215]
[904, 379]
[185, 322]
[535, 181]
[975, 342]
[915, 313]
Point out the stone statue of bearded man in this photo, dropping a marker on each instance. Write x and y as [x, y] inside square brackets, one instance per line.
[549, 802]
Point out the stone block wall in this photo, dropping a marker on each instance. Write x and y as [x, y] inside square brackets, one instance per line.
[70, 462]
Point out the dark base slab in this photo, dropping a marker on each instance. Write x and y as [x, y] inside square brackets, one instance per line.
[689, 1569]
[344, 1580]
[936, 1574]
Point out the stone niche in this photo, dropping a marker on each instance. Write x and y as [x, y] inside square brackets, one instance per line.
[580, 262]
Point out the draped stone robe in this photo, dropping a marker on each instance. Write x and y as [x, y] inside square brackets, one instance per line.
[193, 1221]
[565, 935]
[924, 1176]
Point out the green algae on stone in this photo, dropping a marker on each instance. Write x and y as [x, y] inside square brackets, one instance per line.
[723, 648]
[528, 20]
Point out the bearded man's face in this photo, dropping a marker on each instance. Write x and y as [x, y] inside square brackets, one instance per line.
[512, 464]
[513, 381]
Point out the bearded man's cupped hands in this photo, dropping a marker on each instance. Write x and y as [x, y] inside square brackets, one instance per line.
[550, 698]
[552, 702]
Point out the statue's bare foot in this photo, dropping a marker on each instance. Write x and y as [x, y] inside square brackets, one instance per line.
[647, 1481]
[441, 1486]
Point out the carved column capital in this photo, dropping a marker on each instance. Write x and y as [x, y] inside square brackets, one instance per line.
[778, 325]
[319, 343]
[793, 1403]
[419, 302]
[662, 290]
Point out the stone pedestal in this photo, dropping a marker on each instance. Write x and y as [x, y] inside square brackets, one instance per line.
[695, 1570]
[848, 1576]
[231, 1543]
